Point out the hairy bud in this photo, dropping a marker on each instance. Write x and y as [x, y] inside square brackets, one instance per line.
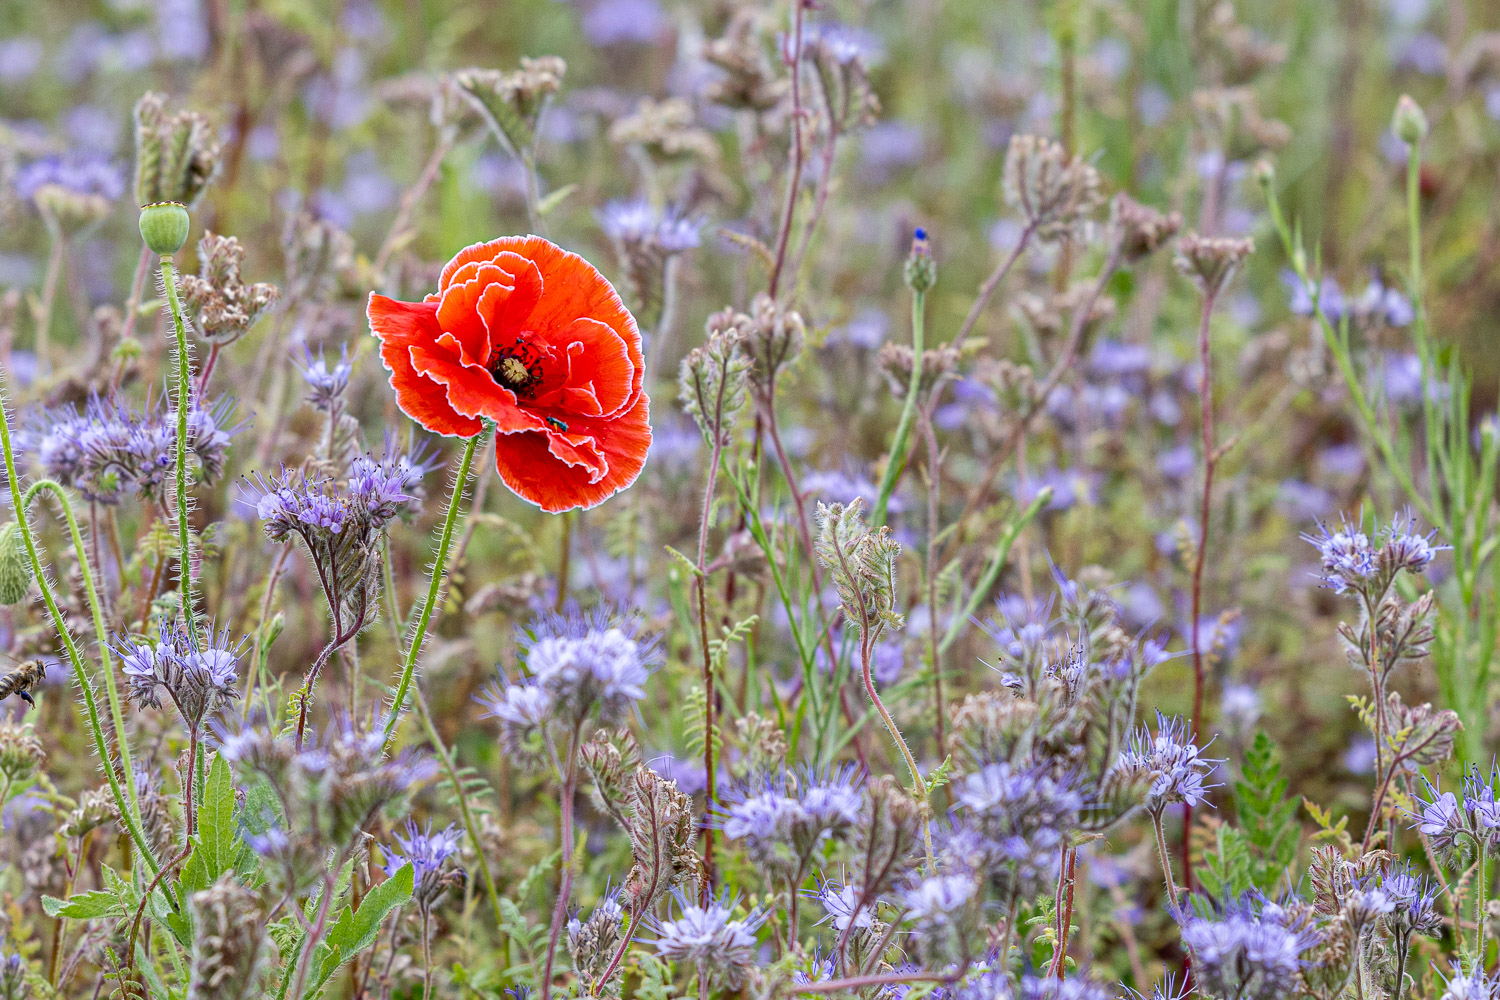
[176, 155]
[228, 943]
[15, 564]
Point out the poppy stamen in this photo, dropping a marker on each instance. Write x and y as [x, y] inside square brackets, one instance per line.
[517, 368]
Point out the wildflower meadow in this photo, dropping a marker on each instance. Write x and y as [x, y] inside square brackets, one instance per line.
[749, 499]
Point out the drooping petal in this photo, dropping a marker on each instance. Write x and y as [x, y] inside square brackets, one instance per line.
[401, 327]
[529, 467]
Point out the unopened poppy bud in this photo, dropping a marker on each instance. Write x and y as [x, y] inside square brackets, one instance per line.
[921, 269]
[15, 564]
[164, 227]
[1409, 122]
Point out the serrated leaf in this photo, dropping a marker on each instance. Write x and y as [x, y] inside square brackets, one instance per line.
[84, 906]
[355, 930]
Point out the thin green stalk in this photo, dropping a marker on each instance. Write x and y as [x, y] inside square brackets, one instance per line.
[992, 571]
[101, 636]
[897, 460]
[184, 391]
[1481, 898]
[91, 706]
[463, 807]
[434, 583]
[1340, 349]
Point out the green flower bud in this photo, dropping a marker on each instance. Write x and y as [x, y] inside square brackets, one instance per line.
[275, 628]
[1265, 173]
[164, 227]
[921, 269]
[1409, 122]
[15, 564]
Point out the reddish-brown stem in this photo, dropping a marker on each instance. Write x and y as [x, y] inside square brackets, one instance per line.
[208, 367]
[887, 979]
[705, 887]
[1210, 459]
[794, 169]
[1066, 871]
[565, 887]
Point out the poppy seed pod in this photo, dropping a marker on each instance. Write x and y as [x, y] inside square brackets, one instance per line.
[164, 227]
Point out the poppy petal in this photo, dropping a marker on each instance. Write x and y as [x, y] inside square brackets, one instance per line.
[471, 392]
[528, 466]
[400, 326]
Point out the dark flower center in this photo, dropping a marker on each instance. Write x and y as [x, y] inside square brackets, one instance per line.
[517, 367]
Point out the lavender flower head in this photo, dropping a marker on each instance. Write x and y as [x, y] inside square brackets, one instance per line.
[722, 947]
[1350, 561]
[934, 900]
[782, 817]
[1172, 761]
[327, 384]
[1415, 899]
[1242, 953]
[198, 682]
[108, 450]
[587, 663]
[844, 905]
[429, 854]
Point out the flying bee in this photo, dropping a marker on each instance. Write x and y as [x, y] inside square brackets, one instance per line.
[21, 678]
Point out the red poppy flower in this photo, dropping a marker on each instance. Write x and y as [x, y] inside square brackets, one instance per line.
[526, 334]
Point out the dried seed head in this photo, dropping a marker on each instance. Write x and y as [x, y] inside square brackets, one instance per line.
[1051, 314]
[774, 337]
[665, 130]
[221, 306]
[896, 363]
[1139, 230]
[1054, 193]
[512, 103]
[763, 742]
[95, 808]
[319, 256]
[863, 565]
[711, 383]
[593, 942]
[1211, 261]
[663, 829]
[749, 83]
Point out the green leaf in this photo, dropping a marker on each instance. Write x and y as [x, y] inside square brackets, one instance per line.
[356, 930]
[84, 906]
[1229, 870]
[216, 845]
[554, 199]
[1267, 816]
